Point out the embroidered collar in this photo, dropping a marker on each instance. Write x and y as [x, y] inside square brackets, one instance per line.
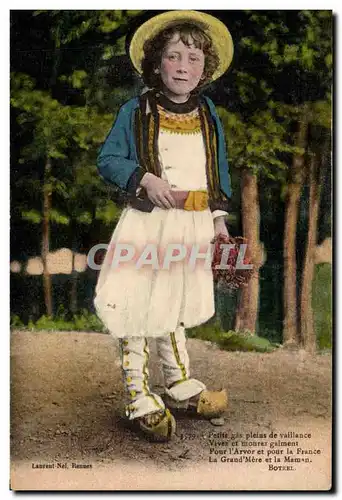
[184, 107]
[181, 123]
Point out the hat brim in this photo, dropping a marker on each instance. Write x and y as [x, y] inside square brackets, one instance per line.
[218, 32]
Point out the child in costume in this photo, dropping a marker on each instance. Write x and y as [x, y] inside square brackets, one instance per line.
[166, 150]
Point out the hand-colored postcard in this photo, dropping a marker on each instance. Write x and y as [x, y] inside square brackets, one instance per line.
[171, 250]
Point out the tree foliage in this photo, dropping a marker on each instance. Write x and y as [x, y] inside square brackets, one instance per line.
[70, 74]
[66, 117]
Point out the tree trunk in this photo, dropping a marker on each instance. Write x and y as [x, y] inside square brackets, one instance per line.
[74, 273]
[306, 311]
[47, 193]
[247, 313]
[46, 237]
[290, 335]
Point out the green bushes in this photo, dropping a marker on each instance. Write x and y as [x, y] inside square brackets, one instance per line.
[230, 340]
[85, 322]
[322, 305]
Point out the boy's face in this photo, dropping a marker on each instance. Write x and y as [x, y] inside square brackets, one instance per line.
[181, 66]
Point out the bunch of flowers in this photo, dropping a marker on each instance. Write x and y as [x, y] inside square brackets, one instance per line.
[232, 274]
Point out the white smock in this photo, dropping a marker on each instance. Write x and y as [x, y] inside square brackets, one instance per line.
[148, 301]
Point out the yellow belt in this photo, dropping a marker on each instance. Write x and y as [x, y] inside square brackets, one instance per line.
[191, 200]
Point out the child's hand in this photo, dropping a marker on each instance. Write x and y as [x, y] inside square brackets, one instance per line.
[220, 226]
[158, 191]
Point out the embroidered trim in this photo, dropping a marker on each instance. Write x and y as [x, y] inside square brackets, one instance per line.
[145, 372]
[216, 170]
[212, 146]
[205, 131]
[151, 141]
[188, 123]
[176, 353]
[139, 135]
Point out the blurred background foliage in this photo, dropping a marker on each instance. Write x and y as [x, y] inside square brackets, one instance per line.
[69, 76]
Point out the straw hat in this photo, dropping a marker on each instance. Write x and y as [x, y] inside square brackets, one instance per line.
[218, 32]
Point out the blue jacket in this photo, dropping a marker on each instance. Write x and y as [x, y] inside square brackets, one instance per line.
[118, 161]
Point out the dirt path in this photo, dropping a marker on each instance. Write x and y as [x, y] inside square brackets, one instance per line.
[66, 399]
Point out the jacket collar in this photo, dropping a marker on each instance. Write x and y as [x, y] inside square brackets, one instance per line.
[184, 107]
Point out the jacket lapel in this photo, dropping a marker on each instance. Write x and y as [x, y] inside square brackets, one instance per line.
[146, 131]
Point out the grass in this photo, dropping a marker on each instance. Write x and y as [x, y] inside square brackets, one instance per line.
[84, 322]
[322, 305]
[231, 340]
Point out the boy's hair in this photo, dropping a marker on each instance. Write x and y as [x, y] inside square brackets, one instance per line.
[153, 50]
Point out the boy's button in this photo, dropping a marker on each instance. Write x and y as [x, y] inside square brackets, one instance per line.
[126, 363]
[133, 394]
[129, 379]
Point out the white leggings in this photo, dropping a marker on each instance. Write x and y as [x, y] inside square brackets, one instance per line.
[171, 348]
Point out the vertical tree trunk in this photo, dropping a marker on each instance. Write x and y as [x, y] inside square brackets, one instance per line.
[247, 313]
[74, 288]
[306, 311]
[74, 273]
[46, 237]
[47, 194]
[290, 336]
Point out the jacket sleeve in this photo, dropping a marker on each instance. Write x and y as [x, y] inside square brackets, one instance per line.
[116, 162]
